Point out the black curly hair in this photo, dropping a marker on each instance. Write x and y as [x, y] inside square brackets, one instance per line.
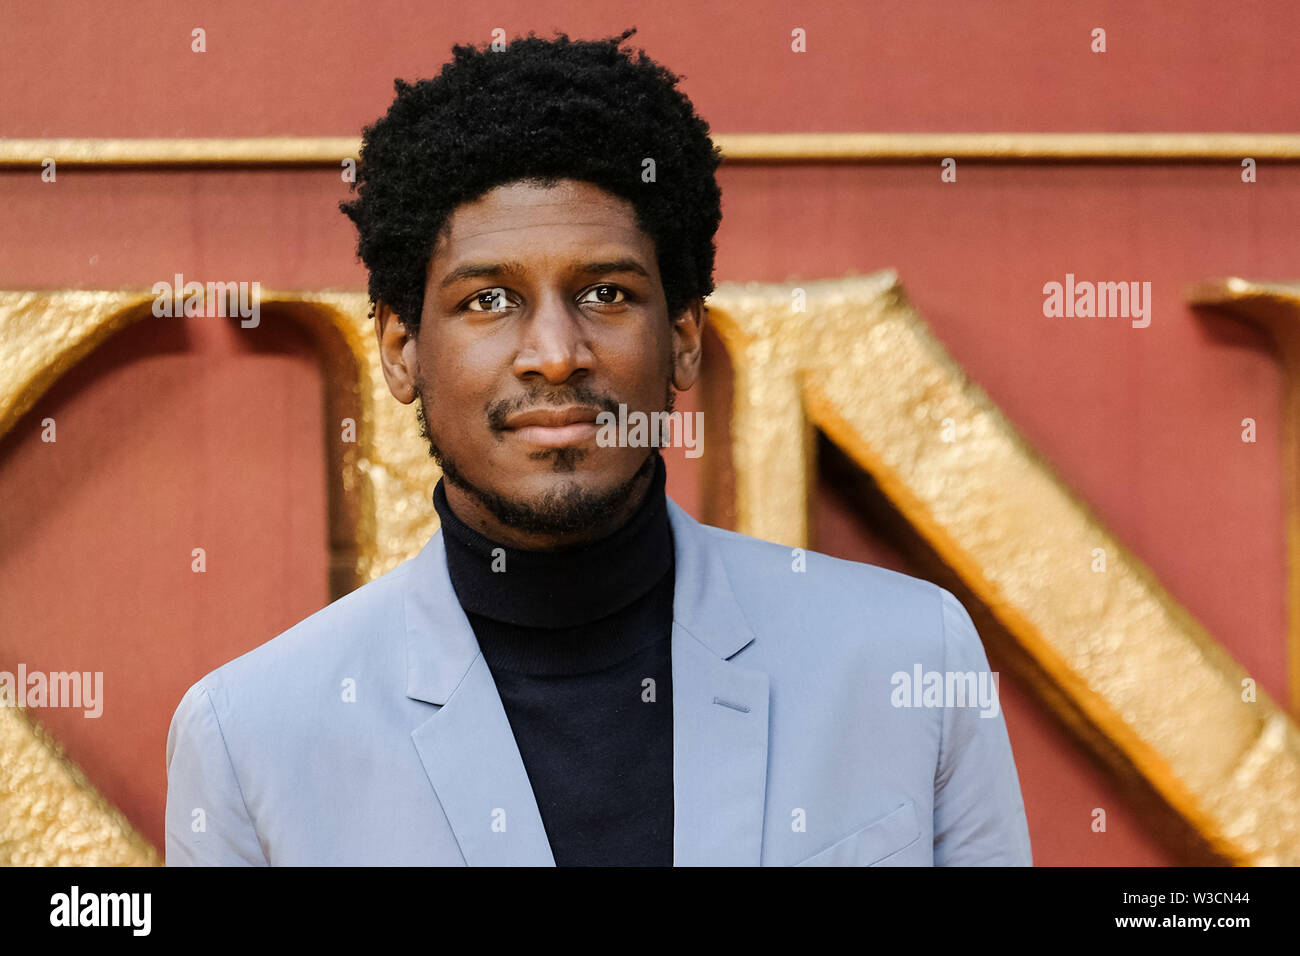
[538, 110]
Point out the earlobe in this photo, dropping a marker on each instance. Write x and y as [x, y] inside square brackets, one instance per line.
[395, 357]
[688, 330]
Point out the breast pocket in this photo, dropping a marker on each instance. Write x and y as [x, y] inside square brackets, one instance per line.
[894, 831]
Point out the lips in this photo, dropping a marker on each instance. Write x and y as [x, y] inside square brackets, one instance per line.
[554, 427]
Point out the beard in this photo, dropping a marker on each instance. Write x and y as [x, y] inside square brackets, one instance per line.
[565, 509]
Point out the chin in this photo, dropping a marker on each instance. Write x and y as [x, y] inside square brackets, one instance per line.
[548, 484]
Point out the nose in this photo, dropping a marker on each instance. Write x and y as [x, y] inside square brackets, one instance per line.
[554, 342]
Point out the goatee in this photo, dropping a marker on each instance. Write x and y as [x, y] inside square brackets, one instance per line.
[567, 508]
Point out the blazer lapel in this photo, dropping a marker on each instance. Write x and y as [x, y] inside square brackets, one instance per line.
[467, 747]
[720, 712]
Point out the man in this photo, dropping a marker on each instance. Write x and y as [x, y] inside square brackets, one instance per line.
[573, 671]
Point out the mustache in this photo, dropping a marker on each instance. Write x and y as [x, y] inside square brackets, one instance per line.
[498, 412]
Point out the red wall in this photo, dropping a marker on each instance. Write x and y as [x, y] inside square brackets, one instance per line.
[177, 434]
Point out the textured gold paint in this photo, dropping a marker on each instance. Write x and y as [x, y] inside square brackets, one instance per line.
[43, 334]
[232, 151]
[393, 472]
[736, 147]
[871, 376]
[1276, 308]
[50, 815]
[1007, 147]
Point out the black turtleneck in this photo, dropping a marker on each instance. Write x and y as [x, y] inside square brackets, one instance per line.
[578, 641]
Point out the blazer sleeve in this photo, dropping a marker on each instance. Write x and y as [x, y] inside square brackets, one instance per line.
[207, 821]
[979, 813]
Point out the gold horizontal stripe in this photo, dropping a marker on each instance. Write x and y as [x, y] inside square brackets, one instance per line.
[736, 147]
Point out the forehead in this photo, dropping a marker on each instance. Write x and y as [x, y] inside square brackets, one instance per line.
[570, 211]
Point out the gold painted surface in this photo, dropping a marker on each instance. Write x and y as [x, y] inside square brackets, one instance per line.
[1276, 308]
[393, 473]
[50, 815]
[234, 151]
[1008, 147]
[49, 812]
[43, 334]
[736, 147]
[871, 376]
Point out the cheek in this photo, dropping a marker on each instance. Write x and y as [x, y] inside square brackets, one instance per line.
[463, 380]
[643, 363]
[449, 393]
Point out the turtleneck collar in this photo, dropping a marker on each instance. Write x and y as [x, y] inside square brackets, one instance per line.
[561, 588]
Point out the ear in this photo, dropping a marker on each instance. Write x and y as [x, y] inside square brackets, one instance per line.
[397, 354]
[688, 336]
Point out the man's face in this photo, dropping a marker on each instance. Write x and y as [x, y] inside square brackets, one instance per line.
[542, 308]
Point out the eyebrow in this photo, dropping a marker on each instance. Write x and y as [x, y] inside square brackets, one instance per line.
[489, 270]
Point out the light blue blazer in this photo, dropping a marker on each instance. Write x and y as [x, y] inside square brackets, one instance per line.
[372, 733]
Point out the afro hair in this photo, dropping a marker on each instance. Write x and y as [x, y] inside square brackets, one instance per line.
[538, 110]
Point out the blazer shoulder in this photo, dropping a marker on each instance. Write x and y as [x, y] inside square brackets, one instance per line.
[805, 575]
[354, 627]
[794, 599]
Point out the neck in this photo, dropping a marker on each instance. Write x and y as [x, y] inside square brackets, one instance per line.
[568, 587]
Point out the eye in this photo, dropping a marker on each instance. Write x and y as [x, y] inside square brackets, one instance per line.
[605, 289]
[489, 300]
